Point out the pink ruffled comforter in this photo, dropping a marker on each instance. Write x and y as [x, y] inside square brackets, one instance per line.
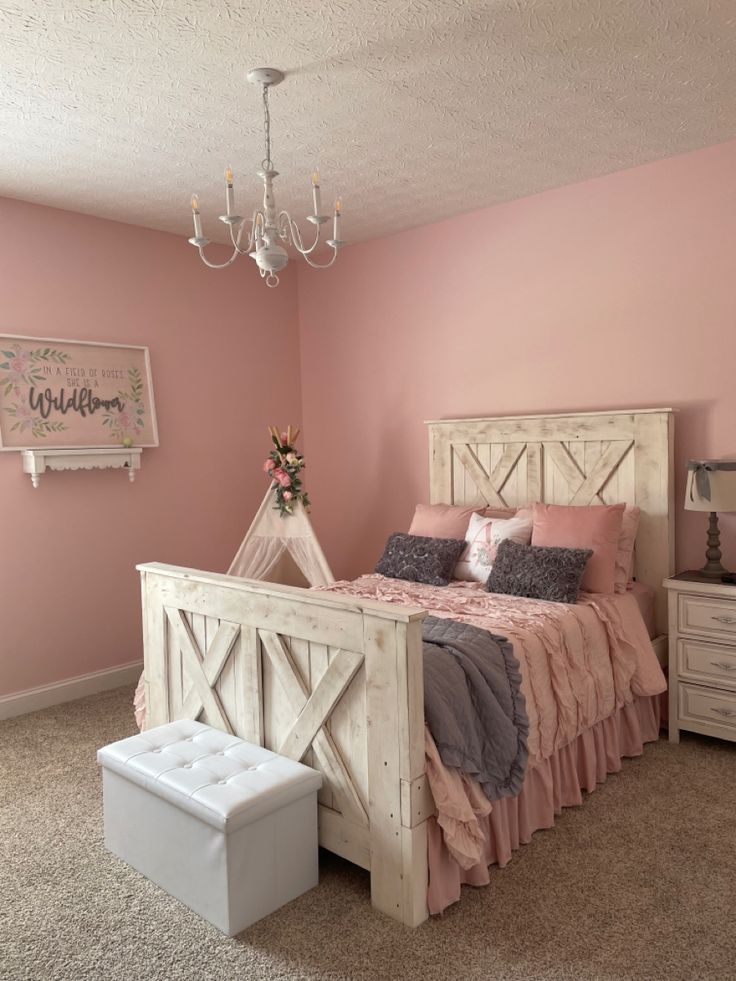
[579, 665]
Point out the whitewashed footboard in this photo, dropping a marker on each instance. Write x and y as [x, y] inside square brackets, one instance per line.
[327, 679]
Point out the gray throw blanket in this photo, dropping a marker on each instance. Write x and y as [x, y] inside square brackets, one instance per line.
[473, 704]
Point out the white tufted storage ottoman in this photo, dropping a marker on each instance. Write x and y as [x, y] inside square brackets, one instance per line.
[228, 828]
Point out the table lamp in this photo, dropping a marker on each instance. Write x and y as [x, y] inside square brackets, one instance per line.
[711, 486]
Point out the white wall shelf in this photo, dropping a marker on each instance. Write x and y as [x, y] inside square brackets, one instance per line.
[37, 462]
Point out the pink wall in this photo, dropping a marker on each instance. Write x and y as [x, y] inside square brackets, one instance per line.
[225, 360]
[614, 293]
[618, 292]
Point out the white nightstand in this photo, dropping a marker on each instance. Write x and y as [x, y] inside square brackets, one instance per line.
[702, 657]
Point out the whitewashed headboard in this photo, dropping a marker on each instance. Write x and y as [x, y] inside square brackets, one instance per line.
[588, 458]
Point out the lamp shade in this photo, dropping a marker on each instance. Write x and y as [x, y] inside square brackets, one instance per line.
[711, 485]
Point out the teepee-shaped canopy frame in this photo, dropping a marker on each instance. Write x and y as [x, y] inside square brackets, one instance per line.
[281, 549]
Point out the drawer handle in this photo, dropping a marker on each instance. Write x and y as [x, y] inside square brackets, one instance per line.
[724, 665]
[727, 713]
[725, 619]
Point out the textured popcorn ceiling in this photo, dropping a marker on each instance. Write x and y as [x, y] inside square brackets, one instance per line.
[414, 111]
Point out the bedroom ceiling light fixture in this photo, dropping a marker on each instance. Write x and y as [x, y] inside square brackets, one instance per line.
[269, 228]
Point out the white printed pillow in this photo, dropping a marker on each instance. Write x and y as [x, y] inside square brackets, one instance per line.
[483, 537]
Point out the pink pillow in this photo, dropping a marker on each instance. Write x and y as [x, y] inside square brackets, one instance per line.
[625, 556]
[510, 512]
[441, 520]
[597, 526]
[502, 513]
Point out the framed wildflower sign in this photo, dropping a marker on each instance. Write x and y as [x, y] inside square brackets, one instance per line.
[74, 394]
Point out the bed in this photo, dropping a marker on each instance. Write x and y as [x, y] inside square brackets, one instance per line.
[336, 679]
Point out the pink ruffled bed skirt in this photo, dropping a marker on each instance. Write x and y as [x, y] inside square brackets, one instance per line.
[548, 787]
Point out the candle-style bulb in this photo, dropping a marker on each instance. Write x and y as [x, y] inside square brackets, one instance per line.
[229, 193]
[196, 218]
[336, 221]
[316, 194]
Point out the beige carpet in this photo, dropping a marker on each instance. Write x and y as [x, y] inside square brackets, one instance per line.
[638, 883]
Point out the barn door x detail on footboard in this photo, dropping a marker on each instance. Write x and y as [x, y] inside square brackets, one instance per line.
[325, 679]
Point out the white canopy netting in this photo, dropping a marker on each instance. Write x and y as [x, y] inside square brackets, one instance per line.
[274, 545]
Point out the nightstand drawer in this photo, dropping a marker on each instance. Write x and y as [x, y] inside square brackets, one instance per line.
[708, 664]
[703, 615]
[707, 705]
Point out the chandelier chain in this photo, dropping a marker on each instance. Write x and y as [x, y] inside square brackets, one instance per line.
[267, 164]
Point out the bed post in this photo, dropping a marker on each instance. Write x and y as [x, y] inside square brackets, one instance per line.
[396, 767]
[155, 664]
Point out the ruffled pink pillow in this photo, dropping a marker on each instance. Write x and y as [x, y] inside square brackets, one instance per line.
[597, 527]
[441, 520]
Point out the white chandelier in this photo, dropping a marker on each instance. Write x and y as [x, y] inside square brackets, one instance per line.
[269, 228]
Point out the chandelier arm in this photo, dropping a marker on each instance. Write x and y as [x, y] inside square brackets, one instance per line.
[282, 224]
[216, 265]
[318, 265]
[296, 235]
[256, 222]
[236, 240]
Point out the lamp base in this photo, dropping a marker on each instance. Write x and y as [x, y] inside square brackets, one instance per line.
[708, 572]
[713, 569]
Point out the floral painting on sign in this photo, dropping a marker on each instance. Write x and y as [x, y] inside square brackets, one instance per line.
[23, 367]
[74, 394]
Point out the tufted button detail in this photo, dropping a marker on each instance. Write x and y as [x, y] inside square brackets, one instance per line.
[221, 760]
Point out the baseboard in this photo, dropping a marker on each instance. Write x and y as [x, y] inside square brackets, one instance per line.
[34, 699]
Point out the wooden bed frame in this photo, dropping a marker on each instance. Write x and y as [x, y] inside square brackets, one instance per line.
[337, 682]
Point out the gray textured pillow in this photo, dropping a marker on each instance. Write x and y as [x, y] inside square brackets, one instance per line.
[419, 559]
[538, 572]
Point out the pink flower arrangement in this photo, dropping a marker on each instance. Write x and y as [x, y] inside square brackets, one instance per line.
[283, 467]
